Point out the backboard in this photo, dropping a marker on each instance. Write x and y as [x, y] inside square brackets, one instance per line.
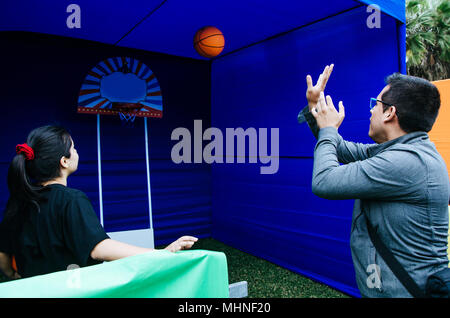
[121, 85]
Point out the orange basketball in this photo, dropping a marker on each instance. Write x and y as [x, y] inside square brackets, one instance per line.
[209, 41]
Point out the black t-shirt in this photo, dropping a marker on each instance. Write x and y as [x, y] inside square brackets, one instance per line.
[62, 233]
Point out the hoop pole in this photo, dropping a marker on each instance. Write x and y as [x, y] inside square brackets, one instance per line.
[148, 174]
[100, 192]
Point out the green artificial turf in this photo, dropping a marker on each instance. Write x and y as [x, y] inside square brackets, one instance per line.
[265, 279]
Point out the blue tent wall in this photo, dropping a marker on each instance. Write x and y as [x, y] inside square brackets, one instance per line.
[277, 217]
[41, 82]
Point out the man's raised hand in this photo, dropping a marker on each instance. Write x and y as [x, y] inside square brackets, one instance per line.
[313, 92]
[326, 114]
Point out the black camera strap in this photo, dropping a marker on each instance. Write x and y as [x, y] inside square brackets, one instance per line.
[393, 263]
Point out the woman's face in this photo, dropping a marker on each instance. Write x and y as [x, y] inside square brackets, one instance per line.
[73, 160]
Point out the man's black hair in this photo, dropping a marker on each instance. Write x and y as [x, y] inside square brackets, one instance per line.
[416, 100]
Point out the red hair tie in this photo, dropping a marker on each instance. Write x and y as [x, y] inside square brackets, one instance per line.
[26, 150]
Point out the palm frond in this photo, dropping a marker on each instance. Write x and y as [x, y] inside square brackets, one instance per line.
[428, 38]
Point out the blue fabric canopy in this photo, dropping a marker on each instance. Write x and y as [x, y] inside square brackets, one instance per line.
[258, 81]
[168, 26]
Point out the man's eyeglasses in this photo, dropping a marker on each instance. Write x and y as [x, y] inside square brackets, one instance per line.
[373, 103]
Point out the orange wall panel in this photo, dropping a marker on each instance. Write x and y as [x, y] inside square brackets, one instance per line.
[440, 134]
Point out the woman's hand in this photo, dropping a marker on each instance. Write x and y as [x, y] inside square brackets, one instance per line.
[183, 243]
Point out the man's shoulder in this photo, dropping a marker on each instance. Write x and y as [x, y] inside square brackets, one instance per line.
[404, 157]
[421, 150]
[405, 149]
[414, 157]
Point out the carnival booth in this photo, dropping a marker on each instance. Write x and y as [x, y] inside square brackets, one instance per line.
[152, 92]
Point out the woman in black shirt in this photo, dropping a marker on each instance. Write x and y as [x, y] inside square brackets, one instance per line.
[48, 226]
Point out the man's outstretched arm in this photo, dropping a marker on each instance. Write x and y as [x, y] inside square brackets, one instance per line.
[389, 175]
[347, 151]
[394, 175]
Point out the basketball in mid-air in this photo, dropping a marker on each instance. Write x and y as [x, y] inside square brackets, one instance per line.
[209, 41]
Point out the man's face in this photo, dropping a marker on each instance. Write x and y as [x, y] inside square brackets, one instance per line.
[377, 126]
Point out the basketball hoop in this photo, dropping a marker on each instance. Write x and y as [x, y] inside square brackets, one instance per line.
[127, 87]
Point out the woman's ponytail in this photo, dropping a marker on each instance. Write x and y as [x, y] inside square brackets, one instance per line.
[35, 162]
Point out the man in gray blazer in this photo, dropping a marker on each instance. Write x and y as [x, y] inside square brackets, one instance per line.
[400, 183]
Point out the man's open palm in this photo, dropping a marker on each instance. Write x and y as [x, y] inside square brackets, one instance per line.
[313, 92]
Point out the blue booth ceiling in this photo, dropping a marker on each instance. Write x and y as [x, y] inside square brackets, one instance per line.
[168, 26]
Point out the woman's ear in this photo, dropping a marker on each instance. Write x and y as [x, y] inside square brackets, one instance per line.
[64, 162]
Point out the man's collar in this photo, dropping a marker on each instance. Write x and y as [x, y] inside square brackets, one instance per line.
[405, 139]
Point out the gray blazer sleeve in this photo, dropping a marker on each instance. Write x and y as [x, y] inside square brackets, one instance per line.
[395, 174]
[347, 151]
